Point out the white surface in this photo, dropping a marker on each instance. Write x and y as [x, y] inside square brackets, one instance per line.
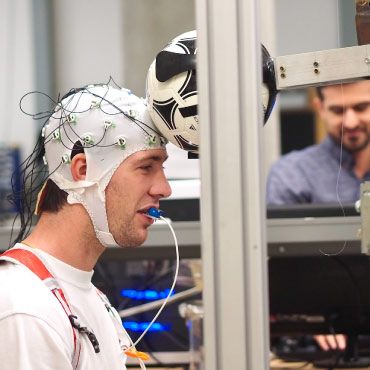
[303, 26]
[185, 189]
[88, 40]
[178, 166]
[17, 73]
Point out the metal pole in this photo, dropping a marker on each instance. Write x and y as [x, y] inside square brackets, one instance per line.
[232, 206]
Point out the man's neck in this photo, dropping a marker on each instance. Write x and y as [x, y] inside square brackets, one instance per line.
[69, 236]
[362, 162]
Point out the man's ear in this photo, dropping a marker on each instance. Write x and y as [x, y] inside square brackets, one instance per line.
[318, 105]
[78, 167]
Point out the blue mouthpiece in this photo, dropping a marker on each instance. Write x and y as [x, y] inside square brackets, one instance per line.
[154, 212]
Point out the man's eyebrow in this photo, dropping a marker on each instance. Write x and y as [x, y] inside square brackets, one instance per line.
[155, 158]
[362, 103]
[336, 106]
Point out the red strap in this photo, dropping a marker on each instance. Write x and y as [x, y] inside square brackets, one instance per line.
[31, 261]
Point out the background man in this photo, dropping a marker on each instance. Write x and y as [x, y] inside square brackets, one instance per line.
[105, 161]
[341, 161]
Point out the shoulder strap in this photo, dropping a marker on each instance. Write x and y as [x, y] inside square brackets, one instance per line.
[32, 262]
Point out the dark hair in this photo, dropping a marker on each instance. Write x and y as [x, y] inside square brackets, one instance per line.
[55, 198]
[319, 92]
[319, 89]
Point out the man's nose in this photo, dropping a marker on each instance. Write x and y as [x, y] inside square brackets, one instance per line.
[167, 191]
[161, 188]
[350, 119]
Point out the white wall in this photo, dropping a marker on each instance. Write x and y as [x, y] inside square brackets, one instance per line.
[303, 26]
[17, 73]
[148, 26]
[88, 42]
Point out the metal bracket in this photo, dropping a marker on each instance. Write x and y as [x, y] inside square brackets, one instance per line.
[365, 217]
[322, 67]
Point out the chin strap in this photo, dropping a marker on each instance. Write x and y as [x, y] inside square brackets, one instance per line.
[106, 238]
[93, 201]
[91, 195]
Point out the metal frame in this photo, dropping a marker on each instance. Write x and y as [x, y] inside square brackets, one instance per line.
[233, 226]
[322, 67]
[365, 217]
[232, 206]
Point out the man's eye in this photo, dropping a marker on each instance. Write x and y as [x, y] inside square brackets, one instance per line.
[337, 110]
[361, 107]
[146, 168]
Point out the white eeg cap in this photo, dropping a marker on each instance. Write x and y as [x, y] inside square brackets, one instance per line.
[110, 124]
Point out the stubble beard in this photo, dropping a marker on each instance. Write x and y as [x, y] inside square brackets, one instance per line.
[356, 145]
[353, 146]
[129, 236]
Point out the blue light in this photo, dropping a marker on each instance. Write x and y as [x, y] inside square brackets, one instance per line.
[151, 295]
[141, 326]
[145, 295]
[164, 293]
[129, 293]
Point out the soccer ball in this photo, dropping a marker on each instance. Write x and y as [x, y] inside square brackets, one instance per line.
[269, 91]
[171, 92]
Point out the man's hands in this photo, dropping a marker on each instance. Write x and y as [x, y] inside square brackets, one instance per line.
[331, 342]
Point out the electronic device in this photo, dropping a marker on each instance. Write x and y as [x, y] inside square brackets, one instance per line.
[9, 171]
[322, 294]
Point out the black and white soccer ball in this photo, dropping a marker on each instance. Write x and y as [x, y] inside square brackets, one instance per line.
[268, 88]
[171, 92]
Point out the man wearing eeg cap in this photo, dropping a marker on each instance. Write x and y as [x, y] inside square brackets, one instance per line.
[105, 160]
[106, 146]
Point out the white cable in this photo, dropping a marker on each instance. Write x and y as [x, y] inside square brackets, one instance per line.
[152, 305]
[132, 345]
[172, 287]
[142, 365]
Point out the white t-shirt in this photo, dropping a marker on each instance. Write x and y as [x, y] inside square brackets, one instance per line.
[35, 332]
